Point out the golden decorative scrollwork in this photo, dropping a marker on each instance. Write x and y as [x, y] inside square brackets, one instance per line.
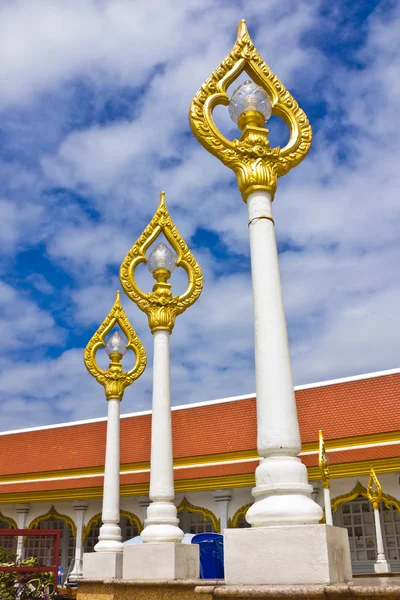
[360, 490]
[161, 306]
[10, 522]
[241, 512]
[115, 380]
[323, 461]
[374, 495]
[256, 165]
[207, 514]
[96, 519]
[53, 514]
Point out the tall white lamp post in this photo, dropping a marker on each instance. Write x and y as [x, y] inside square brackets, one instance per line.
[106, 561]
[375, 497]
[161, 555]
[282, 493]
[323, 462]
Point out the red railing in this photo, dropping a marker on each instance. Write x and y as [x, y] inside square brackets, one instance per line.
[53, 568]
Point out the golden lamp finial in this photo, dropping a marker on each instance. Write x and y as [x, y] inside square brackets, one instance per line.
[374, 496]
[323, 461]
[160, 305]
[115, 380]
[257, 166]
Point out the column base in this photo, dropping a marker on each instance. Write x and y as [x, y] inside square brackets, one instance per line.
[168, 561]
[282, 494]
[102, 565]
[382, 567]
[292, 554]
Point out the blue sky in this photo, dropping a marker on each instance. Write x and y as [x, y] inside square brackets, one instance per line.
[93, 125]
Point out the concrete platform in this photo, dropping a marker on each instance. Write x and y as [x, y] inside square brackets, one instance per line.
[382, 588]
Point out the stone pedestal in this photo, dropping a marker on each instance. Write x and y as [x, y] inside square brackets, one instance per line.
[102, 565]
[382, 567]
[168, 561]
[287, 555]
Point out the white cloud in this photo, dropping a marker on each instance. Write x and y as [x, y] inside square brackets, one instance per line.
[23, 325]
[337, 218]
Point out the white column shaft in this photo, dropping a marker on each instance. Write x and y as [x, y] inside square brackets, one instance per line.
[282, 493]
[381, 565]
[80, 509]
[222, 498]
[110, 532]
[162, 522]
[223, 514]
[379, 538]
[328, 506]
[277, 425]
[22, 512]
[162, 474]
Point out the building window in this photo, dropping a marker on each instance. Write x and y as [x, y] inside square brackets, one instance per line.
[358, 518]
[242, 523]
[194, 523]
[92, 537]
[42, 547]
[129, 530]
[7, 542]
[391, 532]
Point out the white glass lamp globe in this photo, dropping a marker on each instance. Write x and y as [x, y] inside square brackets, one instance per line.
[249, 96]
[116, 344]
[161, 258]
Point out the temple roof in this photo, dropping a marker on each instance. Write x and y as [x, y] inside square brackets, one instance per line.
[214, 442]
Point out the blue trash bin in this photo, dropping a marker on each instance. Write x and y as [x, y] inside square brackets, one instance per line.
[211, 555]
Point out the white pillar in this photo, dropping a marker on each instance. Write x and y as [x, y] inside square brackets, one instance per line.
[110, 531]
[282, 493]
[80, 507]
[144, 502]
[328, 506]
[161, 524]
[22, 511]
[381, 565]
[222, 498]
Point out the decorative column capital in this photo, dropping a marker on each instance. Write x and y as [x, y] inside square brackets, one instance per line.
[80, 505]
[222, 495]
[22, 509]
[144, 501]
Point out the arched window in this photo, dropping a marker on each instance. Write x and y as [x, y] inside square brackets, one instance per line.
[130, 524]
[239, 518]
[241, 522]
[39, 546]
[357, 517]
[354, 512]
[7, 542]
[196, 519]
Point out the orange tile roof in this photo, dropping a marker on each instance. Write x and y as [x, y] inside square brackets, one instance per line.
[347, 409]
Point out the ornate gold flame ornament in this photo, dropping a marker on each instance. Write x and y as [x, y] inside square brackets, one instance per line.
[374, 496]
[160, 305]
[115, 380]
[257, 166]
[323, 461]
